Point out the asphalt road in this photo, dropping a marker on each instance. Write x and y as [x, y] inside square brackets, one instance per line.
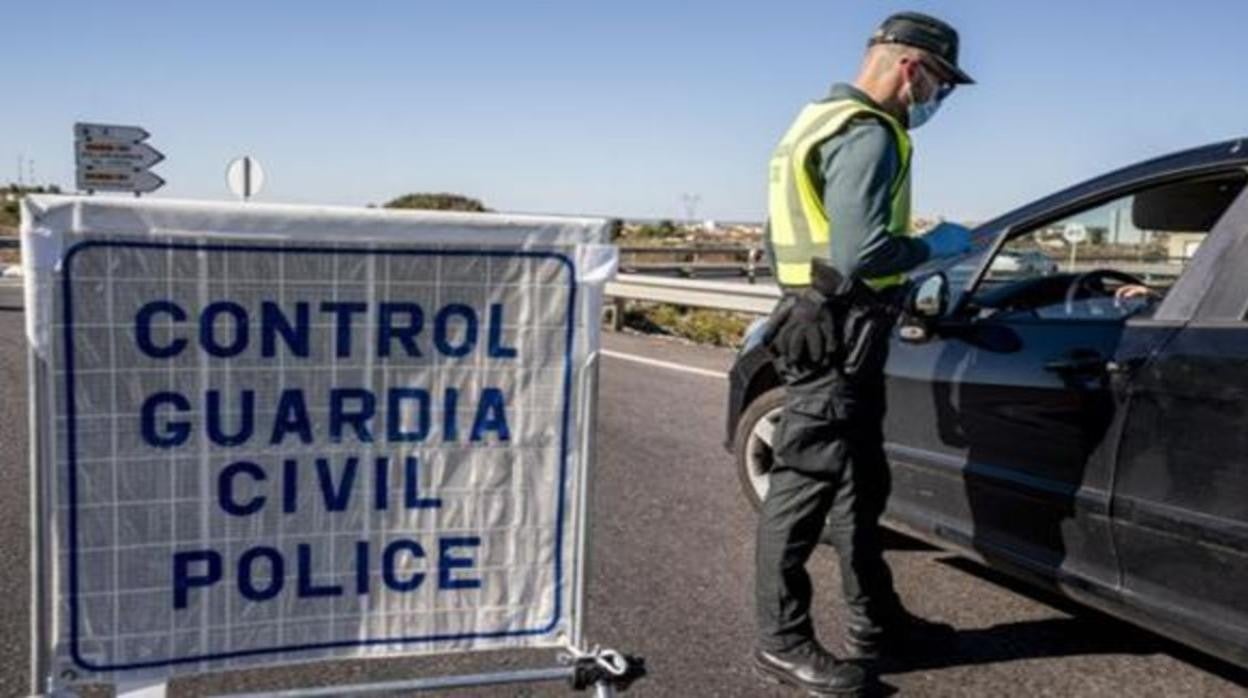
[671, 571]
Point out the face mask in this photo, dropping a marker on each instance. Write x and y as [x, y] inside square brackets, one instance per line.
[919, 113]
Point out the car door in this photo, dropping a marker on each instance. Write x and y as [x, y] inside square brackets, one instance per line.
[1018, 403]
[1180, 495]
[1002, 427]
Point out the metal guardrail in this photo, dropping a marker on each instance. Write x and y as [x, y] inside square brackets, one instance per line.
[690, 261]
[760, 299]
[715, 295]
[750, 261]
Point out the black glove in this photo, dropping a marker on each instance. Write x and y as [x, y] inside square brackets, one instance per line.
[808, 338]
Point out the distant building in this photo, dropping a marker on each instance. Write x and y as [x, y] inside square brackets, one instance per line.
[1183, 245]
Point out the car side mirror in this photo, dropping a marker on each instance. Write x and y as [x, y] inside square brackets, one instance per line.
[929, 301]
[931, 298]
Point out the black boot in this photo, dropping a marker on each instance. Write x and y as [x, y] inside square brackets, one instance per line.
[812, 668]
[904, 634]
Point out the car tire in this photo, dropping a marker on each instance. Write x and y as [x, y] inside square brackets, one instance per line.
[752, 444]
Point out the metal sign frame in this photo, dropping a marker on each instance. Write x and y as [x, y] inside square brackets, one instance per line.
[578, 661]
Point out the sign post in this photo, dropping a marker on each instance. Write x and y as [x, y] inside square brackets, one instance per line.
[1074, 233]
[260, 444]
[115, 158]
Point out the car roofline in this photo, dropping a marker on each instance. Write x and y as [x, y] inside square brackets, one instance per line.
[1215, 156]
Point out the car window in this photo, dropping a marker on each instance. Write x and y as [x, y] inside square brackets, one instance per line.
[1111, 260]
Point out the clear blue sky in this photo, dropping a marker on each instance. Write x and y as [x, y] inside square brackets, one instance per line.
[594, 107]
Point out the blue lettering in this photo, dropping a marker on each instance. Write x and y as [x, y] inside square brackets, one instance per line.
[387, 332]
[290, 480]
[207, 329]
[491, 416]
[143, 329]
[361, 567]
[184, 580]
[336, 497]
[450, 416]
[292, 416]
[448, 563]
[411, 489]
[307, 588]
[274, 322]
[441, 329]
[496, 348]
[246, 419]
[246, 574]
[342, 317]
[381, 483]
[394, 414]
[389, 567]
[339, 416]
[174, 433]
[225, 488]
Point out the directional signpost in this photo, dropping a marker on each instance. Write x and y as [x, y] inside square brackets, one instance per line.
[115, 158]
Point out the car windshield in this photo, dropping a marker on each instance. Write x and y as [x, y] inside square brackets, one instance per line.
[1110, 261]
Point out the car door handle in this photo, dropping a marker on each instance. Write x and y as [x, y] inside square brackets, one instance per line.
[1077, 363]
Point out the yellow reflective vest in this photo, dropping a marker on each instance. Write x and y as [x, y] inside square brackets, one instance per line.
[798, 226]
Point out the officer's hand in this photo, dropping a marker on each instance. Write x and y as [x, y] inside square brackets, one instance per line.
[808, 338]
[947, 240]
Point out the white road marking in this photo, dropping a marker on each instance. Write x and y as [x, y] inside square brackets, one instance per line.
[663, 364]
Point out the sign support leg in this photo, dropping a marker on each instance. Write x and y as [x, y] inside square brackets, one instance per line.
[40, 613]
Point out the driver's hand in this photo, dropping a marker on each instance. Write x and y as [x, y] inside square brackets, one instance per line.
[1133, 291]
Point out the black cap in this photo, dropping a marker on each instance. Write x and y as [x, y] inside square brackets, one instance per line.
[925, 32]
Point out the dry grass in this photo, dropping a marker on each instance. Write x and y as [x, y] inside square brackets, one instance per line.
[715, 327]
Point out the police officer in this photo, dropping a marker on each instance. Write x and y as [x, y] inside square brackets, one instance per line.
[839, 196]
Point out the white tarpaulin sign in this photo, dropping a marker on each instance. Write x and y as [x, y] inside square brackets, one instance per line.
[269, 434]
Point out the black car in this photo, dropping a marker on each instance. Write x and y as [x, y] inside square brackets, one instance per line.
[1083, 424]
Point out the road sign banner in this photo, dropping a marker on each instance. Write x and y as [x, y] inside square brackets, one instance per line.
[269, 434]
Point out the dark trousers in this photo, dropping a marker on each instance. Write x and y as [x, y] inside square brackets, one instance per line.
[830, 474]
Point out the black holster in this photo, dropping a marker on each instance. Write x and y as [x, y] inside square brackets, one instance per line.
[866, 330]
[863, 318]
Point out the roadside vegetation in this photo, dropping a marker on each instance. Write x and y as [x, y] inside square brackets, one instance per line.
[714, 327]
[437, 202]
[662, 233]
[10, 204]
[11, 214]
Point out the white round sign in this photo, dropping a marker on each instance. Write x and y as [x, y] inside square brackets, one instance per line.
[244, 177]
[1075, 233]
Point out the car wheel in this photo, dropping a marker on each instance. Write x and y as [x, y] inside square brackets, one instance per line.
[752, 445]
